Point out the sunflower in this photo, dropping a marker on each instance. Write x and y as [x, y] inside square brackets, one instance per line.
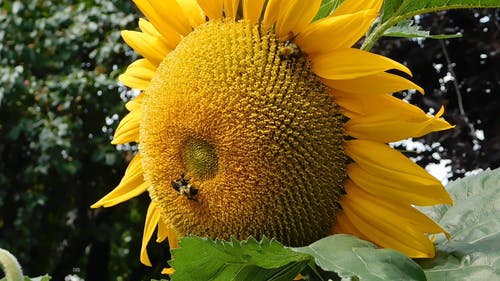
[256, 119]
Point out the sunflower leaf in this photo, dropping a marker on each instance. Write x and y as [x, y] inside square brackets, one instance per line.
[395, 11]
[327, 6]
[406, 29]
[474, 224]
[205, 259]
[409, 8]
[349, 256]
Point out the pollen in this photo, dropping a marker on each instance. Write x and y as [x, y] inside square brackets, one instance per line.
[244, 118]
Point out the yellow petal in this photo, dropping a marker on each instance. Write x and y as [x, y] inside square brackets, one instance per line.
[136, 103]
[173, 15]
[383, 129]
[130, 186]
[231, 8]
[376, 84]
[152, 219]
[128, 129]
[169, 33]
[165, 231]
[365, 105]
[212, 8]
[328, 34]
[353, 6]
[385, 118]
[389, 226]
[294, 17]
[252, 9]
[344, 226]
[423, 192]
[150, 29]
[298, 277]
[131, 80]
[386, 235]
[400, 211]
[138, 74]
[390, 125]
[162, 231]
[193, 12]
[384, 162]
[272, 11]
[173, 239]
[352, 63]
[168, 271]
[147, 27]
[146, 45]
[352, 104]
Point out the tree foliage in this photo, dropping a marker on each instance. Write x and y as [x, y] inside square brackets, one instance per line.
[59, 104]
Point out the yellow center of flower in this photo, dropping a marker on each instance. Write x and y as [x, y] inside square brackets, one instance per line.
[242, 119]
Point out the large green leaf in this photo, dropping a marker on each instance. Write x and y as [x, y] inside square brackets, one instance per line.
[202, 259]
[349, 256]
[473, 252]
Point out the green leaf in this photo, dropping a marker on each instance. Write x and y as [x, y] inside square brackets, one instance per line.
[389, 8]
[204, 259]
[474, 224]
[409, 8]
[349, 256]
[327, 6]
[406, 29]
[395, 11]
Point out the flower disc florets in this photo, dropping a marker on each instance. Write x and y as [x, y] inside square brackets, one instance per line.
[244, 119]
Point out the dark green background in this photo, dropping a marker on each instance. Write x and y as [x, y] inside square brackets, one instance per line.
[60, 103]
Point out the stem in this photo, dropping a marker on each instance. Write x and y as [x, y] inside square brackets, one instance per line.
[10, 266]
[379, 30]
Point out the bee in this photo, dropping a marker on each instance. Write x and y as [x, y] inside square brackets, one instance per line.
[183, 187]
[289, 51]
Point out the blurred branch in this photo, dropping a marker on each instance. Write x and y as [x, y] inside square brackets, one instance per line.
[455, 83]
[460, 102]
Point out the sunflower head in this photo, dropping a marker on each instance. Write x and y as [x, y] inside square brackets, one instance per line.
[252, 127]
[255, 120]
